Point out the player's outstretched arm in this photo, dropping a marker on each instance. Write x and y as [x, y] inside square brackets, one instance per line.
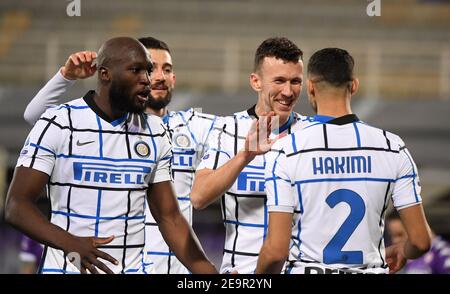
[175, 229]
[22, 212]
[79, 65]
[275, 249]
[210, 184]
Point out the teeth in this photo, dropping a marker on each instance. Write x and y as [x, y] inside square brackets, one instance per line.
[284, 102]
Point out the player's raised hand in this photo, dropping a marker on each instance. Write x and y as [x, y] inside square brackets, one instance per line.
[395, 257]
[258, 139]
[86, 248]
[80, 65]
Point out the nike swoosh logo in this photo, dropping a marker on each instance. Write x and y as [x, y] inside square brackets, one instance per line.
[84, 143]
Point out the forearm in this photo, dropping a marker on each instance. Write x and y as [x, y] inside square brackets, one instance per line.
[25, 216]
[207, 188]
[411, 251]
[49, 95]
[269, 262]
[419, 234]
[184, 243]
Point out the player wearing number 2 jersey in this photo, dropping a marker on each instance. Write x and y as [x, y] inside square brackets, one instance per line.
[329, 185]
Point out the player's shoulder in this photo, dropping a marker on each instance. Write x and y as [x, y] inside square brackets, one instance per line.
[190, 115]
[60, 113]
[302, 118]
[241, 116]
[301, 121]
[198, 114]
[155, 123]
[395, 141]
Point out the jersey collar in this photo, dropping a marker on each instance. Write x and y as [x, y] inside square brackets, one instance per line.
[89, 99]
[342, 120]
[252, 112]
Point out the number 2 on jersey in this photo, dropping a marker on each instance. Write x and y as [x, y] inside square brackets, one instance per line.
[332, 253]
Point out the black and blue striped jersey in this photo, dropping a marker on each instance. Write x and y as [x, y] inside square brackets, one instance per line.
[244, 208]
[336, 176]
[189, 131]
[99, 174]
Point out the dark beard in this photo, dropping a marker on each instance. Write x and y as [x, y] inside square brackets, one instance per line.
[121, 100]
[158, 104]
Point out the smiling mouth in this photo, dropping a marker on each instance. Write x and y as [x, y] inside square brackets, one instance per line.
[286, 103]
[159, 88]
[143, 96]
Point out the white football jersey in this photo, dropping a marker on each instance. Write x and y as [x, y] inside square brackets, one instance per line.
[189, 131]
[99, 174]
[244, 208]
[336, 176]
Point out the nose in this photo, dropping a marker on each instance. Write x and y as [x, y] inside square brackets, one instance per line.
[158, 75]
[287, 90]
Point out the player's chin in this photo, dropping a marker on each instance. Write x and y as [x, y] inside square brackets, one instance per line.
[283, 113]
[159, 94]
[137, 107]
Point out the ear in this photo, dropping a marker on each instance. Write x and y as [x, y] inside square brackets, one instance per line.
[174, 80]
[255, 82]
[310, 88]
[104, 74]
[355, 85]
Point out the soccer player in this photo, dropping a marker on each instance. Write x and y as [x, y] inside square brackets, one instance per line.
[329, 186]
[435, 261]
[189, 131]
[100, 167]
[234, 164]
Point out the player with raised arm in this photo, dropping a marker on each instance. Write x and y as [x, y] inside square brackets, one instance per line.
[189, 131]
[234, 165]
[100, 167]
[329, 185]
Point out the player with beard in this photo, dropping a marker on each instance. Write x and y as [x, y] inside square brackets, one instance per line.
[99, 174]
[189, 131]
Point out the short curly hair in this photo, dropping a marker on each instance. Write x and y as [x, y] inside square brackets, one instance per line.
[280, 48]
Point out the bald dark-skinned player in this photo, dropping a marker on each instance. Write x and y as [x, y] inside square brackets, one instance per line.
[99, 167]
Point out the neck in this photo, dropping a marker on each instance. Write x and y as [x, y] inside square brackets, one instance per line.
[333, 106]
[158, 112]
[102, 100]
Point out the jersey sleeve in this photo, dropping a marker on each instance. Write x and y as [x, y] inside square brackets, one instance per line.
[162, 171]
[48, 96]
[42, 144]
[279, 189]
[407, 188]
[216, 153]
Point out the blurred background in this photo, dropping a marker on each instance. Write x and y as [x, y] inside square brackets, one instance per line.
[402, 59]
